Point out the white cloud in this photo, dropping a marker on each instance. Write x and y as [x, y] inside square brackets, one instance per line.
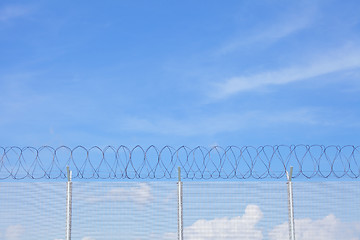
[88, 238]
[14, 232]
[84, 238]
[245, 228]
[332, 62]
[10, 12]
[140, 194]
[240, 227]
[328, 228]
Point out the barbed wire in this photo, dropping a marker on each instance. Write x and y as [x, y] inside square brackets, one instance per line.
[232, 162]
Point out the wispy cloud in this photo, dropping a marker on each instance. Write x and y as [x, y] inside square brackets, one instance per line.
[328, 63]
[214, 124]
[140, 194]
[273, 31]
[13, 11]
[268, 35]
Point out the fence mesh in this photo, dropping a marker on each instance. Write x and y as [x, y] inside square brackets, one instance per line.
[123, 211]
[233, 210]
[32, 211]
[211, 210]
[327, 210]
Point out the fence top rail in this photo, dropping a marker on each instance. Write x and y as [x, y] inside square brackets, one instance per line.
[231, 162]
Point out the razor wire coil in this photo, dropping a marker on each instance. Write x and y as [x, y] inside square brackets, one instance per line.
[232, 162]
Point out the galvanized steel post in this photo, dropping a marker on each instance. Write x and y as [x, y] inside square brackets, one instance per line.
[68, 204]
[180, 207]
[291, 205]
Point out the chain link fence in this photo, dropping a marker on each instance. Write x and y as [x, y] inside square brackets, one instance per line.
[150, 210]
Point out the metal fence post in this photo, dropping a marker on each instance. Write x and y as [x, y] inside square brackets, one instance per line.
[291, 205]
[180, 207]
[68, 204]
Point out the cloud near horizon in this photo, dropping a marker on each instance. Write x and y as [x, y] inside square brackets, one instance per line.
[88, 238]
[245, 228]
[327, 228]
[140, 194]
[14, 232]
[84, 238]
[239, 227]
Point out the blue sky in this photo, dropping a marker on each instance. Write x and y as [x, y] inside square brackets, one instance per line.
[179, 73]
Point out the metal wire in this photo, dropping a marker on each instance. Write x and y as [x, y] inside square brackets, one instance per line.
[232, 162]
